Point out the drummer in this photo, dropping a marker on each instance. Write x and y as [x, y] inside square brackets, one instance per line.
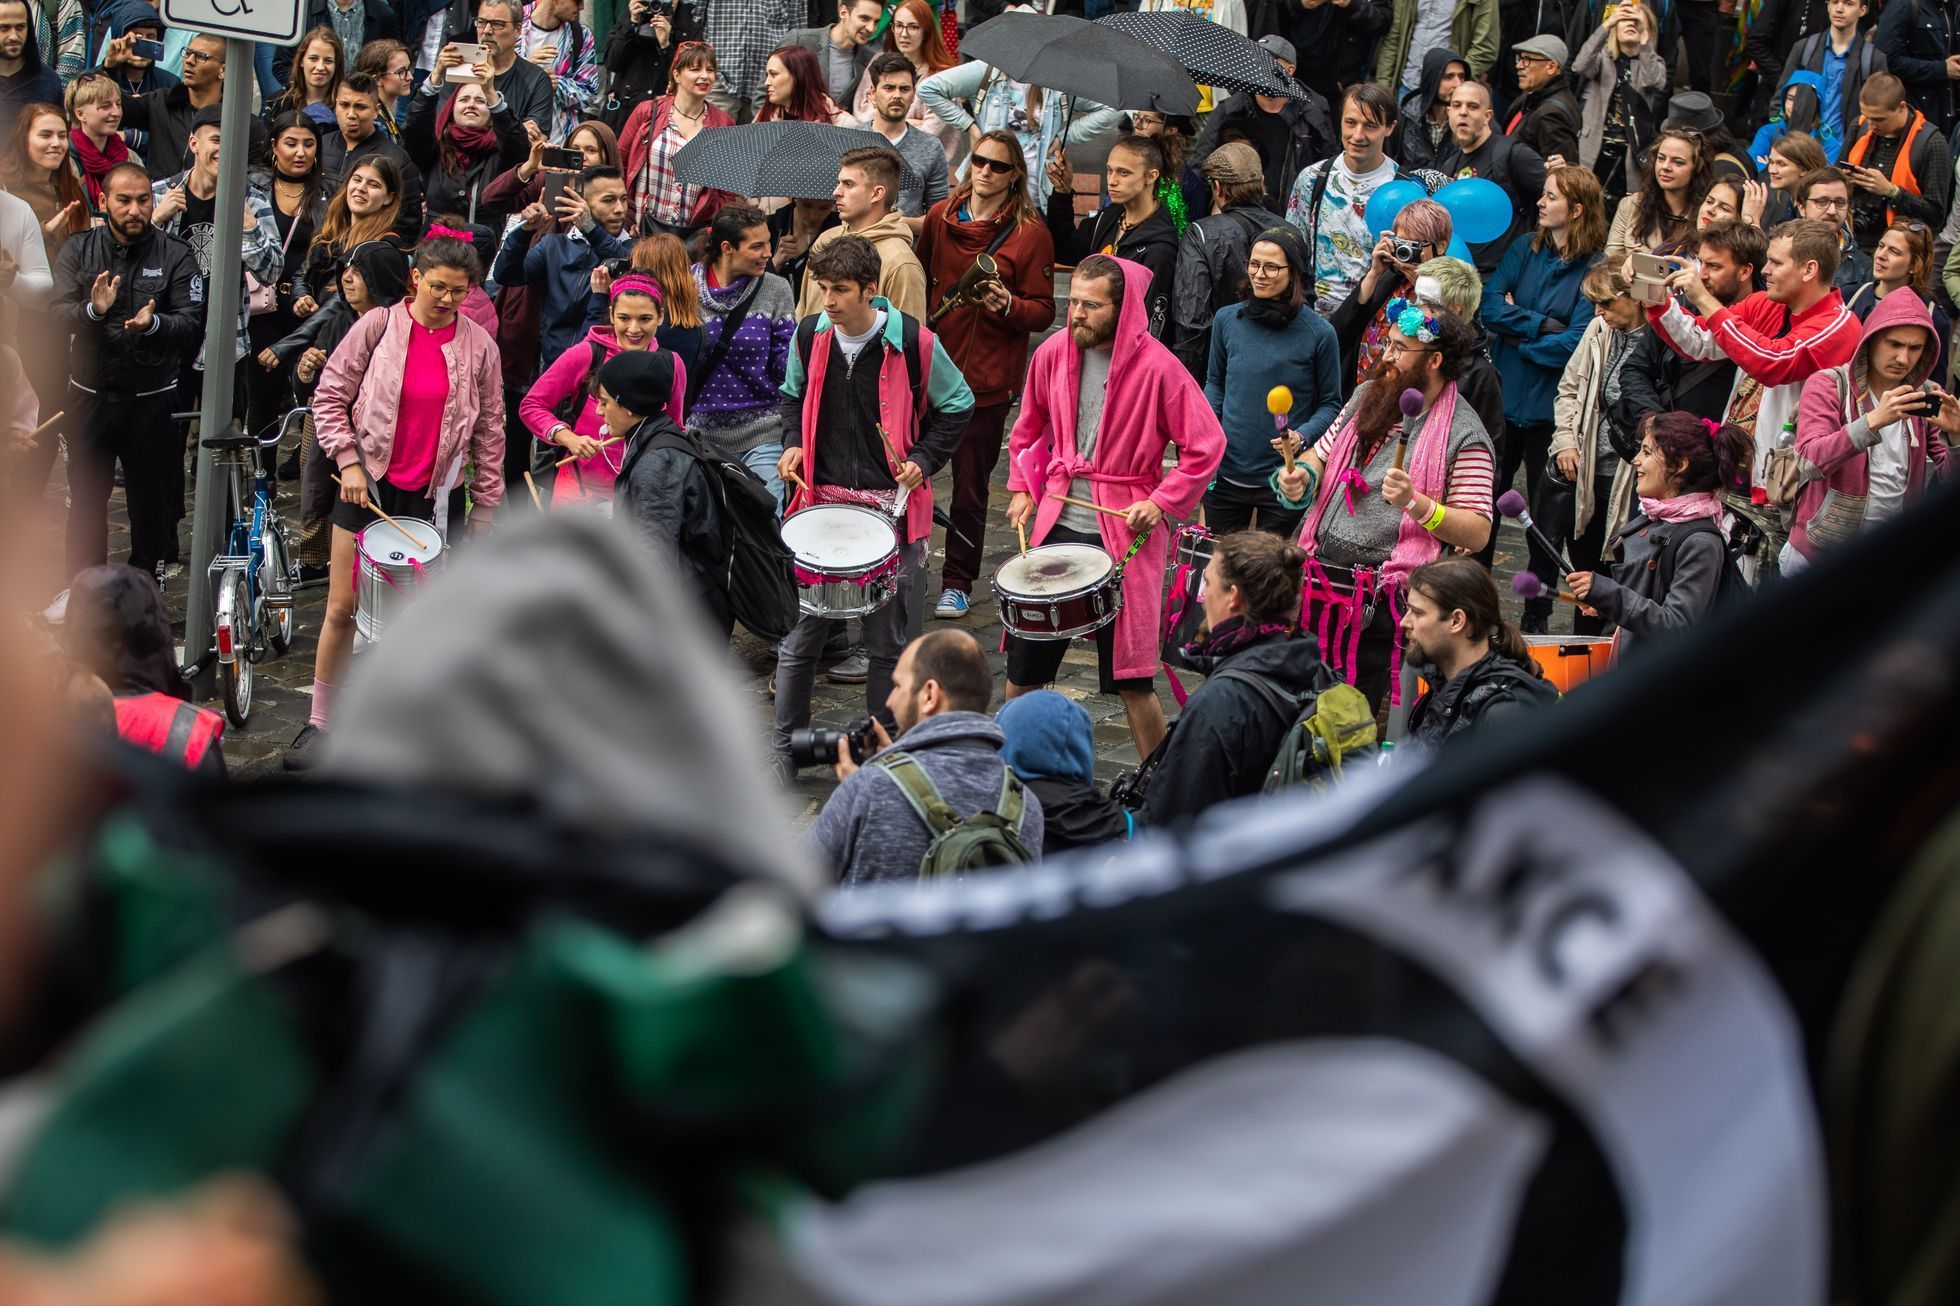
[386, 414]
[885, 433]
[1103, 402]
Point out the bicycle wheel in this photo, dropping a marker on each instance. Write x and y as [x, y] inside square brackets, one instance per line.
[276, 584]
[235, 676]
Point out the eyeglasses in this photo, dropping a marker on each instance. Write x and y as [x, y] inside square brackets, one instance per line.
[986, 164]
[1260, 268]
[907, 27]
[689, 45]
[493, 25]
[1828, 205]
[1530, 58]
[1399, 347]
[198, 56]
[1908, 224]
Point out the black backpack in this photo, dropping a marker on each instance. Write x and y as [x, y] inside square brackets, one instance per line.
[757, 573]
[806, 336]
[1732, 585]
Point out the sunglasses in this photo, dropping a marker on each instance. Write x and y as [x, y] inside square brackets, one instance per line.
[986, 164]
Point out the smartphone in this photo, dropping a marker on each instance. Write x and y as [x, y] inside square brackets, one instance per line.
[1925, 403]
[473, 54]
[555, 184]
[556, 158]
[151, 50]
[1650, 274]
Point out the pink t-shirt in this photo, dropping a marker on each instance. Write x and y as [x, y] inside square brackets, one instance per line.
[425, 393]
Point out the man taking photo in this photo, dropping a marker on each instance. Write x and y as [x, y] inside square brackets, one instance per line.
[870, 829]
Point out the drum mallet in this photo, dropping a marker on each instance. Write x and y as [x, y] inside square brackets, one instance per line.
[532, 486]
[1411, 405]
[1279, 402]
[602, 444]
[34, 435]
[382, 514]
[1527, 585]
[1512, 504]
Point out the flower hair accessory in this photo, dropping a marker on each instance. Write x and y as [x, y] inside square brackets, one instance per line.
[436, 230]
[1411, 321]
[635, 283]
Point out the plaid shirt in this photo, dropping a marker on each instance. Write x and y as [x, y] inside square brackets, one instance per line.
[260, 252]
[657, 194]
[743, 35]
[574, 73]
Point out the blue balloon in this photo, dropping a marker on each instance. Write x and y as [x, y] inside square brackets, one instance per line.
[1460, 250]
[1387, 201]
[1479, 209]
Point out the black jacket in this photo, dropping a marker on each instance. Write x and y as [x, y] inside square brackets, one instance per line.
[35, 83]
[1310, 138]
[338, 158]
[381, 24]
[1515, 167]
[458, 193]
[107, 359]
[1210, 275]
[1916, 36]
[1334, 42]
[635, 66]
[669, 496]
[1229, 733]
[1076, 816]
[1483, 388]
[1655, 379]
[1547, 120]
[1932, 168]
[167, 116]
[1494, 688]
[1518, 19]
[1152, 242]
[1411, 145]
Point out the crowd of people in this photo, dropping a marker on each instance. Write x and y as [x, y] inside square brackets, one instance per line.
[467, 249]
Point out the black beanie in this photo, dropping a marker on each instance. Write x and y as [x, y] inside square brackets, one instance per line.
[384, 267]
[642, 380]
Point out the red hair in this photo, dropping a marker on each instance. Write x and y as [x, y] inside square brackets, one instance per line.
[809, 100]
[937, 57]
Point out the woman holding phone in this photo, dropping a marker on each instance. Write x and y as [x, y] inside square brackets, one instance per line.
[462, 142]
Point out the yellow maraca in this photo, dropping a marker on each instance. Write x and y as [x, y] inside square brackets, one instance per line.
[1279, 402]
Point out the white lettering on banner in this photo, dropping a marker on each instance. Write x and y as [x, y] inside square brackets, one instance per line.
[1598, 962]
[276, 21]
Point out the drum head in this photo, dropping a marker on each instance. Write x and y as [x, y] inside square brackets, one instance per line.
[1054, 569]
[399, 545]
[839, 537]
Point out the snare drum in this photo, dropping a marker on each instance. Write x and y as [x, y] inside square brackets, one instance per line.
[846, 559]
[390, 563]
[1058, 591]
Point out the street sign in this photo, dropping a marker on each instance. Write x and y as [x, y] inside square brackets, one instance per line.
[277, 22]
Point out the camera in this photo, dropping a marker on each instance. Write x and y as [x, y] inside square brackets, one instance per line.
[654, 9]
[1405, 250]
[818, 747]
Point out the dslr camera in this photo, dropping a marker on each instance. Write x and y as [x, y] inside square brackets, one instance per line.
[818, 747]
[652, 9]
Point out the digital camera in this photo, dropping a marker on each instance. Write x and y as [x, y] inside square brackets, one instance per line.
[818, 747]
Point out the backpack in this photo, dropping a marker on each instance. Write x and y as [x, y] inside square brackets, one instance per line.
[1732, 584]
[757, 574]
[986, 839]
[1330, 726]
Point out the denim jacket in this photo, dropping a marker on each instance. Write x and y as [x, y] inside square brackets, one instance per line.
[976, 92]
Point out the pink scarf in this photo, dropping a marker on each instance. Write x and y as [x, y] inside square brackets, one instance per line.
[1683, 507]
[1428, 467]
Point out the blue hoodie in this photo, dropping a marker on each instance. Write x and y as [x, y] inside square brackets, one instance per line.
[1815, 113]
[1048, 738]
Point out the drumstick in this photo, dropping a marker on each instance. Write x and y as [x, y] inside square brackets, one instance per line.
[532, 486]
[1021, 529]
[802, 484]
[379, 512]
[891, 446]
[1094, 507]
[602, 444]
[45, 425]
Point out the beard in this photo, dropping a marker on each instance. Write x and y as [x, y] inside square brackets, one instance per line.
[1088, 337]
[1381, 406]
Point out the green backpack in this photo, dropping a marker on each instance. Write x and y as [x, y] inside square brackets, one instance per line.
[1330, 726]
[977, 842]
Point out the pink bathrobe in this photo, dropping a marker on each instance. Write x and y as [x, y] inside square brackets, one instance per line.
[1151, 401]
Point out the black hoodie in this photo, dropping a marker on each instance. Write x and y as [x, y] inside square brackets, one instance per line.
[1152, 242]
[35, 83]
[1493, 688]
[1419, 144]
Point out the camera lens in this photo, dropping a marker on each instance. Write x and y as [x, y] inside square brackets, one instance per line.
[814, 747]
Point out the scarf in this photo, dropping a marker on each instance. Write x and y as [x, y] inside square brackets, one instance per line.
[1428, 468]
[1232, 635]
[1683, 507]
[96, 163]
[462, 147]
[1273, 314]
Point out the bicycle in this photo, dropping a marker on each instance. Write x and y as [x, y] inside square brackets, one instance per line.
[252, 576]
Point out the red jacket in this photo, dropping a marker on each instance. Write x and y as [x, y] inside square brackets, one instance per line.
[172, 729]
[637, 137]
[991, 350]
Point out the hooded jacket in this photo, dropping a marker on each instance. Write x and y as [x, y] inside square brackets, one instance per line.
[1151, 244]
[1310, 136]
[990, 348]
[1415, 146]
[901, 277]
[868, 830]
[1229, 732]
[35, 83]
[1473, 28]
[1804, 115]
[117, 19]
[571, 374]
[628, 738]
[1491, 689]
[1150, 403]
[1835, 437]
[1050, 743]
[1547, 120]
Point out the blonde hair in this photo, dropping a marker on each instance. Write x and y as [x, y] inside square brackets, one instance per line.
[89, 88]
[1631, 9]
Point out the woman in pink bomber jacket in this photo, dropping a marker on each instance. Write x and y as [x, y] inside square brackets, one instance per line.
[412, 395]
[1863, 456]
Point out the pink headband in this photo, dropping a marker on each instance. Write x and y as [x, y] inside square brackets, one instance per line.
[436, 229]
[636, 283]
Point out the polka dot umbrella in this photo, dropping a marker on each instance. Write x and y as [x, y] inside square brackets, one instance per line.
[1211, 54]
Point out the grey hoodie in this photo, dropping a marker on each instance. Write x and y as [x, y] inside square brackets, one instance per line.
[868, 831]
[559, 661]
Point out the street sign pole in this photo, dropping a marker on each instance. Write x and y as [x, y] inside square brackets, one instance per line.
[220, 354]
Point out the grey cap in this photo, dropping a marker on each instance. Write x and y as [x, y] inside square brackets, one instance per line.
[1279, 48]
[1545, 47]
[1693, 109]
[1233, 163]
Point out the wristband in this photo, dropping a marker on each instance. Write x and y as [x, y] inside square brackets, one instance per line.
[1435, 518]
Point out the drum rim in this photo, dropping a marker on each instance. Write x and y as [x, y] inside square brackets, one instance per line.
[1112, 576]
[360, 542]
[872, 513]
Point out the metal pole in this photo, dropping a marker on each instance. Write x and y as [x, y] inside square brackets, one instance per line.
[220, 345]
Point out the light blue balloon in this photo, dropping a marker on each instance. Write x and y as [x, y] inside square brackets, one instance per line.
[1387, 201]
[1460, 250]
[1479, 208]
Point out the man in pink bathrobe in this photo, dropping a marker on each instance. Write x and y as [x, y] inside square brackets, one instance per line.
[1102, 402]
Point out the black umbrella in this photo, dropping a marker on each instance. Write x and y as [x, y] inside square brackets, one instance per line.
[1212, 54]
[1073, 57]
[796, 159]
